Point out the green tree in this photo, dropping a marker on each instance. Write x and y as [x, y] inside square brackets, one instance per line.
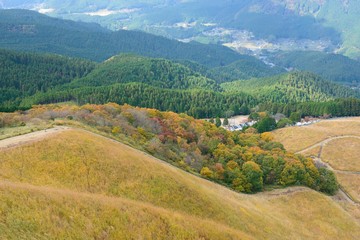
[327, 181]
[295, 117]
[253, 175]
[226, 121]
[267, 124]
[218, 122]
[283, 123]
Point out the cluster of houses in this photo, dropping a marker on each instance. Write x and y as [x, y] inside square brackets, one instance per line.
[306, 123]
[240, 126]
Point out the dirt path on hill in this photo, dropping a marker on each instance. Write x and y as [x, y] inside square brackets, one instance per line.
[342, 194]
[30, 137]
[324, 142]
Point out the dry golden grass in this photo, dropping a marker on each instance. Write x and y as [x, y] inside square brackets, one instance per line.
[299, 138]
[96, 186]
[313, 152]
[353, 209]
[42, 213]
[351, 184]
[343, 154]
[15, 131]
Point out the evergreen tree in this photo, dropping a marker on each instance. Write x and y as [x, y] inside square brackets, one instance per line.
[226, 121]
[218, 122]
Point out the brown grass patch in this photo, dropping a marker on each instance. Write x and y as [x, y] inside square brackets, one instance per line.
[299, 138]
[343, 154]
[351, 184]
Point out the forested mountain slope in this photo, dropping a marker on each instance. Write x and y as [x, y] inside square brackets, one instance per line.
[291, 87]
[24, 74]
[159, 73]
[332, 67]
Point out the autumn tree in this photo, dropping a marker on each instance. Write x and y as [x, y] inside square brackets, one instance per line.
[253, 175]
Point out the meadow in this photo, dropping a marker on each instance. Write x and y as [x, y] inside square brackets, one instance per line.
[80, 185]
[337, 143]
[299, 138]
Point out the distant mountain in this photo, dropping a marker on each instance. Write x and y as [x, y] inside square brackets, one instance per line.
[332, 67]
[311, 24]
[31, 31]
[290, 88]
[326, 25]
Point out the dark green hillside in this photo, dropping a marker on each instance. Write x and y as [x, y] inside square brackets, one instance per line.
[24, 74]
[243, 69]
[159, 73]
[31, 31]
[291, 87]
[330, 66]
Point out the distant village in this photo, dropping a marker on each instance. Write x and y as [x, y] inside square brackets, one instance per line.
[238, 123]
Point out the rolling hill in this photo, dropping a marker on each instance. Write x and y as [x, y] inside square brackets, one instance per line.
[59, 178]
[159, 73]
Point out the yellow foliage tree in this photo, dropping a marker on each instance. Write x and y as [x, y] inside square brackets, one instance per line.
[206, 172]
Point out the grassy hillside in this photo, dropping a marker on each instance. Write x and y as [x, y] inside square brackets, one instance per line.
[296, 139]
[246, 162]
[54, 182]
[336, 143]
[291, 87]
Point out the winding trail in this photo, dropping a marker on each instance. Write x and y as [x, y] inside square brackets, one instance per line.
[324, 142]
[319, 160]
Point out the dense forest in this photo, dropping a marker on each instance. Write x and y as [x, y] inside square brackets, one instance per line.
[24, 74]
[336, 108]
[195, 102]
[291, 87]
[159, 73]
[246, 162]
[30, 78]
